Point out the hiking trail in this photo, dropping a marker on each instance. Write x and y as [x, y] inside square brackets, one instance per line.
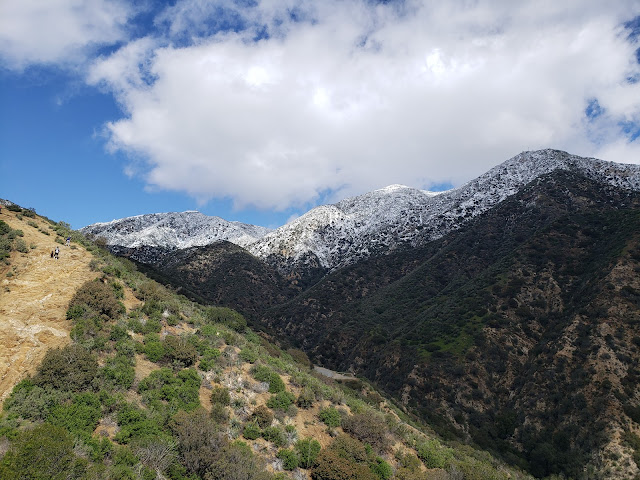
[35, 291]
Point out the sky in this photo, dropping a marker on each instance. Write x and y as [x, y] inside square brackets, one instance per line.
[258, 110]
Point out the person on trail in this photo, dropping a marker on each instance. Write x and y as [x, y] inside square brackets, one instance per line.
[68, 241]
[51, 253]
[57, 253]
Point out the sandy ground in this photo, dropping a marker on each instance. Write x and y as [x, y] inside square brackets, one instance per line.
[35, 291]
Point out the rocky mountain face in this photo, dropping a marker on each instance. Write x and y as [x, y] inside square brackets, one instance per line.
[505, 311]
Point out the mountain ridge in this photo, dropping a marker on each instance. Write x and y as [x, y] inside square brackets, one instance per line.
[332, 236]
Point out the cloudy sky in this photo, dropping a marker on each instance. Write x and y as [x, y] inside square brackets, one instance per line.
[257, 110]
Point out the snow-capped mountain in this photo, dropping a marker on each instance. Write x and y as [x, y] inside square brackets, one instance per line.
[331, 236]
[174, 230]
[382, 220]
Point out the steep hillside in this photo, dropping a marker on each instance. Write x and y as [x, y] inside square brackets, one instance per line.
[36, 290]
[154, 386]
[519, 330]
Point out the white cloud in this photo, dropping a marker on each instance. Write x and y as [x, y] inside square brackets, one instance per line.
[362, 96]
[57, 31]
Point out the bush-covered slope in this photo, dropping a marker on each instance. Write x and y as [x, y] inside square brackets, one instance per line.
[163, 387]
[517, 330]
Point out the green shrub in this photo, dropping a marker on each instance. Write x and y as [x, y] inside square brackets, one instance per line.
[381, 468]
[281, 400]
[331, 466]
[99, 298]
[226, 316]
[249, 355]
[32, 402]
[434, 455]
[308, 450]
[178, 349]
[331, 417]
[154, 350]
[81, 416]
[135, 423]
[180, 392]
[27, 212]
[274, 435]
[45, 452]
[14, 208]
[289, 459]
[251, 431]
[69, 368]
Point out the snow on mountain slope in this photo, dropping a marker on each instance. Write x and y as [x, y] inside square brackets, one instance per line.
[377, 222]
[175, 230]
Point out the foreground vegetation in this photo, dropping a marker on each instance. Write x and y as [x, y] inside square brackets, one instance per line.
[168, 388]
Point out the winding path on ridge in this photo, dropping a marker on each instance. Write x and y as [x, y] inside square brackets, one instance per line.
[35, 291]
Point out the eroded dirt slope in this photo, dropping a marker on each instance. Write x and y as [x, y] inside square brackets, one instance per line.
[34, 294]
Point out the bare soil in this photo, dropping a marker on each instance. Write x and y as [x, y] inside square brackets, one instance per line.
[35, 291]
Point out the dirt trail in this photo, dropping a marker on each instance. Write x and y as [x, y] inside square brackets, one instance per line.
[34, 299]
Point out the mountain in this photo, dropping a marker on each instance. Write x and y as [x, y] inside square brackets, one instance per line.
[174, 230]
[331, 236]
[518, 330]
[505, 312]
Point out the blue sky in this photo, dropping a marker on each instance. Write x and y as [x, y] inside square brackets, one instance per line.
[257, 110]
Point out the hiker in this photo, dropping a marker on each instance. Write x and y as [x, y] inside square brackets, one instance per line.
[51, 253]
[57, 253]
[68, 241]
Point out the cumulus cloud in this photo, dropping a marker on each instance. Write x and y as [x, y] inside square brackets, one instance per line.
[58, 31]
[278, 103]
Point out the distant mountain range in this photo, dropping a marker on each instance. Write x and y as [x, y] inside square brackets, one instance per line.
[332, 236]
[506, 312]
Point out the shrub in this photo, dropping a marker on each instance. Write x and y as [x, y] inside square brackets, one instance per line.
[226, 316]
[81, 416]
[69, 368]
[262, 416]
[14, 208]
[274, 435]
[180, 350]
[308, 450]
[21, 245]
[306, 398]
[43, 452]
[33, 402]
[331, 417]
[249, 355]
[331, 466]
[281, 400]
[251, 431]
[220, 396]
[181, 392]
[369, 429]
[99, 298]
[381, 468]
[434, 455]
[289, 459]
